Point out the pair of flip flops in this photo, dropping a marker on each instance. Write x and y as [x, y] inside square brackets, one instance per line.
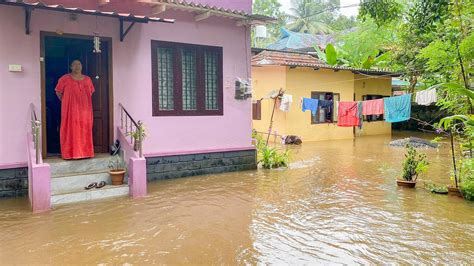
[101, 184]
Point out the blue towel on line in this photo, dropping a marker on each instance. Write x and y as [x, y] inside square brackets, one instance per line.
[397, 109]
[310, 104]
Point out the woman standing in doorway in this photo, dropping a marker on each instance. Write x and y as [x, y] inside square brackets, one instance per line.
[75, 93]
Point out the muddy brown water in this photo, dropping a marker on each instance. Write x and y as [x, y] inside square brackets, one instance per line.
[337, 203]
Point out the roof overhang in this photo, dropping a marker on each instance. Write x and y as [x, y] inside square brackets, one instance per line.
[273, 58]
[122, 17]
[203, 11]
[60, 8]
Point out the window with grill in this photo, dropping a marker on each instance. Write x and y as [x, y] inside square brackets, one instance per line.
[326, 113]
[187, 79]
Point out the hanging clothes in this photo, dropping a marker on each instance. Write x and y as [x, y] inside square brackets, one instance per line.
[347, 114]
[285, 103]
[372, 107]
[359, 113]
[426, 97]
[398, 108]
[310, 104]
[76, 117]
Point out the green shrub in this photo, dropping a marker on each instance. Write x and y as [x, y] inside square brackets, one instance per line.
[272, 158]
[466, 174]
[414, 164]
[467, 190]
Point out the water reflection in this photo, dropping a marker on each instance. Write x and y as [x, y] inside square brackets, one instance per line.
[337, 203]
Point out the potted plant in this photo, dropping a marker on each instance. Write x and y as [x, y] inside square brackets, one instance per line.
[138, 135]
[414, 164]
[117, 170]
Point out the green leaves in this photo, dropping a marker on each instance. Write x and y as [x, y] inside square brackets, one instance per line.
[321, 55]
[415, 163]
[331, 55]
[381, 11]
[272, 158]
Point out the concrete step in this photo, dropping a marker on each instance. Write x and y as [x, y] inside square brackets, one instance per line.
[61, 167]
[87, 195]
[62, 184]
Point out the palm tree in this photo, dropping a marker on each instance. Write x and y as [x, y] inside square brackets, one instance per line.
[310, 16]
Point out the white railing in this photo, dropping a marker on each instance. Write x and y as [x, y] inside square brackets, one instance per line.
[36, 132]
[131, 127]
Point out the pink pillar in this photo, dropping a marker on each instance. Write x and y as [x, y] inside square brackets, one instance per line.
[39, 181]
[40, 184]
[137, 177]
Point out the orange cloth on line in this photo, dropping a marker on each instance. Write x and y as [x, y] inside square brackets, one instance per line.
[372, 107]
[347, 114]
[76, 117]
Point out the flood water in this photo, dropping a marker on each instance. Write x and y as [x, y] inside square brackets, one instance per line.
[337, 203]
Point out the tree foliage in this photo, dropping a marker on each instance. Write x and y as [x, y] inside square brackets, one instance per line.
[269, 8]
[309, 16]
[381, 11]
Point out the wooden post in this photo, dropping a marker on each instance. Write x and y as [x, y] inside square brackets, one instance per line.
[454, 158]
[271, 119]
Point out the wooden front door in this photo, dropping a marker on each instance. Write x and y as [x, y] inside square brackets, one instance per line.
[59, 52]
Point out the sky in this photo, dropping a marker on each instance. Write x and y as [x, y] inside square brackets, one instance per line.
[349, 11]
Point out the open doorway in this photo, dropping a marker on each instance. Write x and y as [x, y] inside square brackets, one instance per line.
[58, 51]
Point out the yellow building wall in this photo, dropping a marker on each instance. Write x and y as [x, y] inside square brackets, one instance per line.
[364, 85]
[264, 80]
[300, 83]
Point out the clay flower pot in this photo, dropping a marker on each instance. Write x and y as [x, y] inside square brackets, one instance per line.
[405, 183]
[117, 176]
[454, 191]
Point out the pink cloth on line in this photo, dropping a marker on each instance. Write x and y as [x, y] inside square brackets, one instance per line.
[347, 114]
[372, 107]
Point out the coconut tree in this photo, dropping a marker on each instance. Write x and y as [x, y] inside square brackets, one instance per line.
[312, 16]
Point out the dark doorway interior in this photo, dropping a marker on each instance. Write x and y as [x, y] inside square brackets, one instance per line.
[59, 53]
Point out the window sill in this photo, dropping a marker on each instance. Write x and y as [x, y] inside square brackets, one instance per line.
[188, 113]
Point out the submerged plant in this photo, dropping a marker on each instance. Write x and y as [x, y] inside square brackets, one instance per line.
[415, 163]
[272, 158]
[433, 188]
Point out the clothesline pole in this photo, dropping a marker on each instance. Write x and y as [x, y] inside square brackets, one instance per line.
[271, 119]
[454, 158]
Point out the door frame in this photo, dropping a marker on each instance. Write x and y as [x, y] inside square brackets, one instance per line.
[43, 35]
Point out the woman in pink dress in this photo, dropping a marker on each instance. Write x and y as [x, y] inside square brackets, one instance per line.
[75, 93]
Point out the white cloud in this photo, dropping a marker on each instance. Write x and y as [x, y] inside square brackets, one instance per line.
[347, 11]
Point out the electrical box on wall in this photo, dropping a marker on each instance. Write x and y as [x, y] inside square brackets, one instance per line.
[14, 68]
[243, 89]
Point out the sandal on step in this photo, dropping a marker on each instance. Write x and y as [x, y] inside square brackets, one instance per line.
[91, 186]
[101, 184]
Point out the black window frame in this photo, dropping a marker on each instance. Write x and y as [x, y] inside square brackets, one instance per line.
[177, 79]
[315, 95]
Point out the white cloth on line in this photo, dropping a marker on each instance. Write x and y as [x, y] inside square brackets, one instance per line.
[426, 97]
[285, 103]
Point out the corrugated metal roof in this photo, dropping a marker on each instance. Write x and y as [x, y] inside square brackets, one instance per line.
[294, 59]
[125, 16]
[297, 41]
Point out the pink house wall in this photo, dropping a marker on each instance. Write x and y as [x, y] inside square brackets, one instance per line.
[131, 79]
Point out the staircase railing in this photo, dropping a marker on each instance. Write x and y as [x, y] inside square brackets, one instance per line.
[36, 132]
[133, 129]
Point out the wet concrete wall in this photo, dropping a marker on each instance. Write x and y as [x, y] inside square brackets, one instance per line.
[13, 182]
[168, 167]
